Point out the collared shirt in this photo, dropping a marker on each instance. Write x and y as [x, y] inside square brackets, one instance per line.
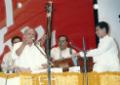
[30, 57]
[57, 54]
[105, 56]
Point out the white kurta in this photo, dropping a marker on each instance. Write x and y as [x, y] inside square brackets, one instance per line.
[105, 56]
[7, 58]
[57, 54]
[30, 57]
[7, 61]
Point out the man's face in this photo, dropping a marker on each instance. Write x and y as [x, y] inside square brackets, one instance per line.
[29, 35]
[63, 43]
[100, 32]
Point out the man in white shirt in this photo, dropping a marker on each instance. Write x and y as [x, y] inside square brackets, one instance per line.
[106, 55]
[7, 62]
[63, 51]
[26, 55]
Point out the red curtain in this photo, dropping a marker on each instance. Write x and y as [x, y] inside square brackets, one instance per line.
[73, 18]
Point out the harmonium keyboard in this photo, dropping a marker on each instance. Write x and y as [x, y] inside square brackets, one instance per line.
[68, 62]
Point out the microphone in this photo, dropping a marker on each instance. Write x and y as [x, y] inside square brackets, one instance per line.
[36, 43]
[33, 39]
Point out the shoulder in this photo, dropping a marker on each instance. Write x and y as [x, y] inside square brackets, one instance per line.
[18, 44]
[107, 39]
[73, 50]
[110, 39]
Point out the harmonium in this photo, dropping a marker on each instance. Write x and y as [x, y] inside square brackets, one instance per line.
[68, 62]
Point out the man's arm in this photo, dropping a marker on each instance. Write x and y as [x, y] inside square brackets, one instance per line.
[100, 50]
[20, 49]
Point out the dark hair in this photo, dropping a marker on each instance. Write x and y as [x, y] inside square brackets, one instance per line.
[15, 37]
[103, 25]
[66, 37]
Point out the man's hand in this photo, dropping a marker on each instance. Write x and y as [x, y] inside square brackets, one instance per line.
[27, 41]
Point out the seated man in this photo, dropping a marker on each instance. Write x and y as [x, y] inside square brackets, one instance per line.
[26, 55]
[106, 55]
[7, 62]
[62, 51]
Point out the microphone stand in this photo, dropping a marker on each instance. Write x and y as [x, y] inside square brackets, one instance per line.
[49, 7]
[44, 54]
[85, 74]
[6, 81]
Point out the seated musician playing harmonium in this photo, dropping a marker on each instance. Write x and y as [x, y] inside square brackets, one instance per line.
[63, 51]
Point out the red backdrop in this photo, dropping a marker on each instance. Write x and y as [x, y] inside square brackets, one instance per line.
[73, 18]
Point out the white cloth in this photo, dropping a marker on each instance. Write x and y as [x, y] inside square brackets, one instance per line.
[29, 58]
[105, 56]
[7, 61]
[7, 58]
[57, 54]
